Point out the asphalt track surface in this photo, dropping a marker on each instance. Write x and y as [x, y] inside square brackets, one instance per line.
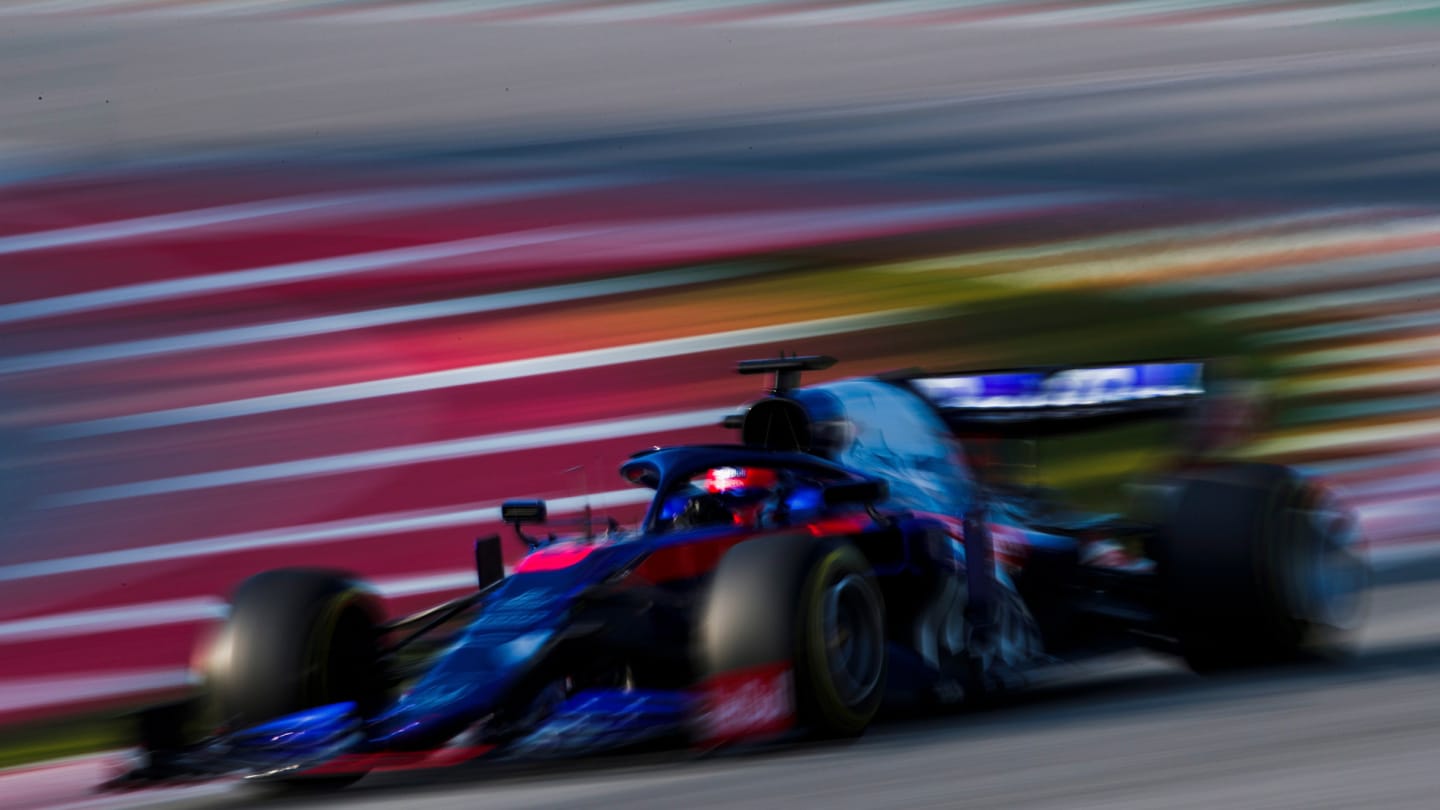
[1129, 732]
[1263, 121]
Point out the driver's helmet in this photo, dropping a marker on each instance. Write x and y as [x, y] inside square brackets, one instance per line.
[722, 496]
[741, 483]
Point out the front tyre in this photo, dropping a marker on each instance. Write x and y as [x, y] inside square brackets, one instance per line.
[297, 639]
[812, 603]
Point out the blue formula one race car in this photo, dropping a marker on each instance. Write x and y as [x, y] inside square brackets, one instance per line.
[845, 557]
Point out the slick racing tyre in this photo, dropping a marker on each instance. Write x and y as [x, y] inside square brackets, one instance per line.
[810, 602]
[297, 639]
[1260, 565]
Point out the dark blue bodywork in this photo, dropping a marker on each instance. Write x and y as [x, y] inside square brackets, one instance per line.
[496, 666]
[587, 644]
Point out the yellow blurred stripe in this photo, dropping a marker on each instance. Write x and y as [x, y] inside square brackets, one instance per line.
[1350, 381]
[1345, 438]
[1364, 353]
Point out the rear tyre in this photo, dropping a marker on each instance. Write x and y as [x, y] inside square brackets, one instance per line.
[1260, 566]
[297, 639]
[810, 602]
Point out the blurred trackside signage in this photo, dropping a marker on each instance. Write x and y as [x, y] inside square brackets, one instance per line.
[1065, 388]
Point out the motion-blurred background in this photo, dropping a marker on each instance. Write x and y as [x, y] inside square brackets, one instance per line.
[294, 282]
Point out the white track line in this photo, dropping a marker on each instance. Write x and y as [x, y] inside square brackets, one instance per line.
[171, 289]
[327, 532]
[494, 372]
[423, 584]
[298, 208]
[468, 447]
[719, 230]
[112, 619]
[51, 690]
[121, 618]
[385, 316]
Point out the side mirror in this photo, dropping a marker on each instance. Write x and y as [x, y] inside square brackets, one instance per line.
[523, 511]
[856, 492]
[518, 513]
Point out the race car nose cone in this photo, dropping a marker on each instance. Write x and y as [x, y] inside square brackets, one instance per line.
[472, 680]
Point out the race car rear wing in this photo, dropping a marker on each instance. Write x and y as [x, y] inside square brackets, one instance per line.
[1060, 398]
